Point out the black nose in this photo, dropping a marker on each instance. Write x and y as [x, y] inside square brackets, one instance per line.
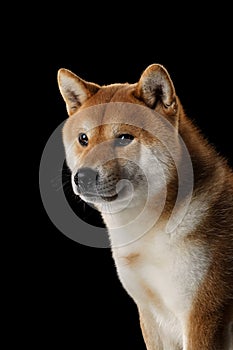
[85, 179]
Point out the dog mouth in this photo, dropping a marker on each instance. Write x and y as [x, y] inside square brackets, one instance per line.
[91, 196]
[119, 192]
[110, 198]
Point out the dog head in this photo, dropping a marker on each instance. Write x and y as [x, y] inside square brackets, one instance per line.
[118, 138]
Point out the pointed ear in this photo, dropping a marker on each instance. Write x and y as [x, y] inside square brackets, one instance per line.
[74, 90]
[154, 86]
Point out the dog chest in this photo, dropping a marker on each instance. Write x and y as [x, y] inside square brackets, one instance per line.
[161, 274]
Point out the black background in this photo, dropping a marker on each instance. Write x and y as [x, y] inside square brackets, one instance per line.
[76, 297]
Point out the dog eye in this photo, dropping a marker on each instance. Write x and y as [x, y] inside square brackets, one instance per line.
[123, 140]
[83, 140]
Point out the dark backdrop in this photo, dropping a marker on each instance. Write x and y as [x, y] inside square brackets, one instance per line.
[77, 296]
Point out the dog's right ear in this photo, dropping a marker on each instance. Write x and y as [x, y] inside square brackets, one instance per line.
[74, 90]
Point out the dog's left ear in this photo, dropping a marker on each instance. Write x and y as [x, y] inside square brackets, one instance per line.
[74, 90]
[156, 89]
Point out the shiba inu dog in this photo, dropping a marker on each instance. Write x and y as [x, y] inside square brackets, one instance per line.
[166, 198]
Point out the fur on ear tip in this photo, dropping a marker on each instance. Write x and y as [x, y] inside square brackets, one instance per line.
[64, 73]
[156, 67]
[61, 71]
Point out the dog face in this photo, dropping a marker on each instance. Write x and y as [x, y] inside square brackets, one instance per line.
[117, 136]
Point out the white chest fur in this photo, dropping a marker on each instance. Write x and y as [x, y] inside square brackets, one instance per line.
[162, 274]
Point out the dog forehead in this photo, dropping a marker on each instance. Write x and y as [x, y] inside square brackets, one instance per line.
[112, 113]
